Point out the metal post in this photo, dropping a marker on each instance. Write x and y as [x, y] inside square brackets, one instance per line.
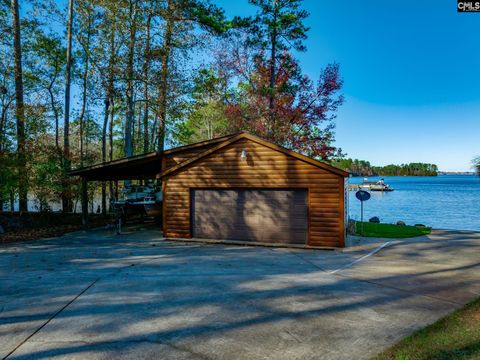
[84, 202]
[361, 221]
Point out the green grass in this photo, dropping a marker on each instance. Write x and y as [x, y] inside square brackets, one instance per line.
[390, 230]
[456, 336]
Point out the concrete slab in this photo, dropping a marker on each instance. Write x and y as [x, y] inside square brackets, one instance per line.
[443, 265]
[100, 296]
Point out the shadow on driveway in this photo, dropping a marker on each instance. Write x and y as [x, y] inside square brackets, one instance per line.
[156, 299]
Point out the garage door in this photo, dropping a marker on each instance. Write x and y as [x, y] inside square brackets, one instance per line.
[274, 216]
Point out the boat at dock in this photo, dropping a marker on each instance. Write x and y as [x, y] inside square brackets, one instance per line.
[371, 186]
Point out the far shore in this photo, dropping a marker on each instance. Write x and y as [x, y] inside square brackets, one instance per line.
[471, 173]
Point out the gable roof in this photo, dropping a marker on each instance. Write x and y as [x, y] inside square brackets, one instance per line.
[244, 135]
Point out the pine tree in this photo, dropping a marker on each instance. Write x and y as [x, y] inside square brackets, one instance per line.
[277, 28]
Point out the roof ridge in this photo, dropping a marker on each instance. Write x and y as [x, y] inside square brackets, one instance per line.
[200, 143]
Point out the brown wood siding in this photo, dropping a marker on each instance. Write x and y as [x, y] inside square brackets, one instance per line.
[264, 168]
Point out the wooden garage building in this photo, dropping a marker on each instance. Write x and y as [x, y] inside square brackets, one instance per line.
[241, 187]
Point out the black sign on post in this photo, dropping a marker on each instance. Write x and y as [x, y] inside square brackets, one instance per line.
[362, 195]
[468, 6]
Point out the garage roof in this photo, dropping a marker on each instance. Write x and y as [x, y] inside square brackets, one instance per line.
[245, 135]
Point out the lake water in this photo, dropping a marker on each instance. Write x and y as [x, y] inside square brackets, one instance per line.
[443, 202]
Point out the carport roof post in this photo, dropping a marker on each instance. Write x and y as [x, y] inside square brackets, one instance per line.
[84, 201]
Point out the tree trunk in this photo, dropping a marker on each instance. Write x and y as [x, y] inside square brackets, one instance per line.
[85, 88]
[110, 132]
[146, 66]
[108, 100]
[165, 57]
[104, 149]
[129, 93]
[154, 132]
[66, 196]
[19, 110]
[271, 98]
[3, 122]
[110, 138]
[12, 201]
[3, 116]
[139, 128]
[55, 111]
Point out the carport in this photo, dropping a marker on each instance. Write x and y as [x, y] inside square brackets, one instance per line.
[139, 167]
[239, 187]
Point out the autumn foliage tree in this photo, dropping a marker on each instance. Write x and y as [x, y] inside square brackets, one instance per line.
[302, 114]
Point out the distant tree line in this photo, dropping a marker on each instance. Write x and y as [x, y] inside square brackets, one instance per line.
[364, 168]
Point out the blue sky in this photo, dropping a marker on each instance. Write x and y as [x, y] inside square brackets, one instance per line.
[410, 67]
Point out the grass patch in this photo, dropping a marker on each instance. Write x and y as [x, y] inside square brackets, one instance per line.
[456, 336]
[389, 230]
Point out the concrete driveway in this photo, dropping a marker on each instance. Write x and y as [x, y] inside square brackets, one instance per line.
[98, 296]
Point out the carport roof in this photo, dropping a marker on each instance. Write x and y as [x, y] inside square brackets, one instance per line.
[145, 166]
[132, 168]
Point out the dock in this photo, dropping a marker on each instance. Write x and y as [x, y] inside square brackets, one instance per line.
[371, 186]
